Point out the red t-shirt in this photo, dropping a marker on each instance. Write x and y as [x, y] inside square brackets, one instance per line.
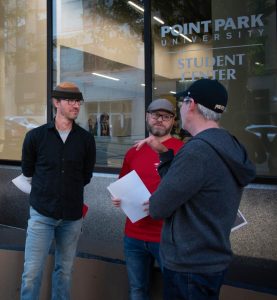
[145, 163]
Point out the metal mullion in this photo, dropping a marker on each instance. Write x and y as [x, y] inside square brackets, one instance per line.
[148, 55]
[49, 41]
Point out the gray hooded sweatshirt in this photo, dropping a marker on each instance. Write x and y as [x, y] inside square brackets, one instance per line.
[198, 198]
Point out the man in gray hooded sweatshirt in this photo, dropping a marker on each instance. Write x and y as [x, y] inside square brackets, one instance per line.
[199, 196]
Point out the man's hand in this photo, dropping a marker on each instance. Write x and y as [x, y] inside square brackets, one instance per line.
[145, 206]
[116, 202]
[153, 142]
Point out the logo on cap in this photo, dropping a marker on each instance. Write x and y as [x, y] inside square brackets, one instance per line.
[219, 107]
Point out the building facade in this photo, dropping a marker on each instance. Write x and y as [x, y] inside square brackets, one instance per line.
[122, 55]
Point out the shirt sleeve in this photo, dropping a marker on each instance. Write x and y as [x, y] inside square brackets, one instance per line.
[28, 155]
[89, 160]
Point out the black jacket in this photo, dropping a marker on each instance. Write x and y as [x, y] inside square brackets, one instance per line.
[59, 170]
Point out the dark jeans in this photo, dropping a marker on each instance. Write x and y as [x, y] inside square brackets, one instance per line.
[192, 286]
[140, 257]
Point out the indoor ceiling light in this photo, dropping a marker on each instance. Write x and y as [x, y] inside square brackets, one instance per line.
[136, 6]
[182, 35]
[185, 37]
[158, 20]
[105, 76]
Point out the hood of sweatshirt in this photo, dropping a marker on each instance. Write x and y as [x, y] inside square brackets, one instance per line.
[231, 151]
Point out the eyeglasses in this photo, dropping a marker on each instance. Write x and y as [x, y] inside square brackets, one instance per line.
[74, 101]
[184, 100]
[156, 116]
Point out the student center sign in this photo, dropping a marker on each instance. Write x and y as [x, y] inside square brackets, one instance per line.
[235, 43]
[204, 38]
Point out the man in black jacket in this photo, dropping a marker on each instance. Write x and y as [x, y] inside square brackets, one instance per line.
[59, 158]
[199, 196]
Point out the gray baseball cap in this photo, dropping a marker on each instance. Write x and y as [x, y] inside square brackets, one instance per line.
[161, 104]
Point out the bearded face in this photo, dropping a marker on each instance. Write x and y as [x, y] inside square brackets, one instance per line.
[157, 125]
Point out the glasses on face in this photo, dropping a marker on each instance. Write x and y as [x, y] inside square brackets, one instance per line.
[164, 117]
[74, 101]
[184, 100]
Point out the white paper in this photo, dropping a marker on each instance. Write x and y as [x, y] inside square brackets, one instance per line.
[132, 192]
[23, 183]
[239, 222]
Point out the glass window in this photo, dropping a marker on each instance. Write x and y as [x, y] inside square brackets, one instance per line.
[234, 42]
[22, 72]
[99, 46]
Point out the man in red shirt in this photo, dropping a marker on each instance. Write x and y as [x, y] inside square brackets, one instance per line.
[142, 238]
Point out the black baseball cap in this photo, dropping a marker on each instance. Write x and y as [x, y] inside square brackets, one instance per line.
[209, 93]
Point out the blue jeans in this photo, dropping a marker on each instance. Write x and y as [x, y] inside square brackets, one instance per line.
[192, 286]
[40, 234]
[140, 257]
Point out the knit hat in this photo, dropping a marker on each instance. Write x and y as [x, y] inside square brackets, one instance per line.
[209, 93]
[67, 90]
[161, 104]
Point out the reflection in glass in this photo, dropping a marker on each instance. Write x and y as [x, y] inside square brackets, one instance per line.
[99, 46]
[234, 42]
[23, 73]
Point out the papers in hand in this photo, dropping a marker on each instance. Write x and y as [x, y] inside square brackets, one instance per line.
[23, 183]
[239, 222]
[133, 193]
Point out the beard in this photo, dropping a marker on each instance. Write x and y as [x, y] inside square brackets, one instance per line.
[159, 132]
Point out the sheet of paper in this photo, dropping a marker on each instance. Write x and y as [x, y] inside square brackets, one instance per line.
[239, 222]
[23, 183]
[132, 192]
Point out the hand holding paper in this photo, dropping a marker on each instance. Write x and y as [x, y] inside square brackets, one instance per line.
[116, 202]
[23, 183]
[133, 194]
[146, 206]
